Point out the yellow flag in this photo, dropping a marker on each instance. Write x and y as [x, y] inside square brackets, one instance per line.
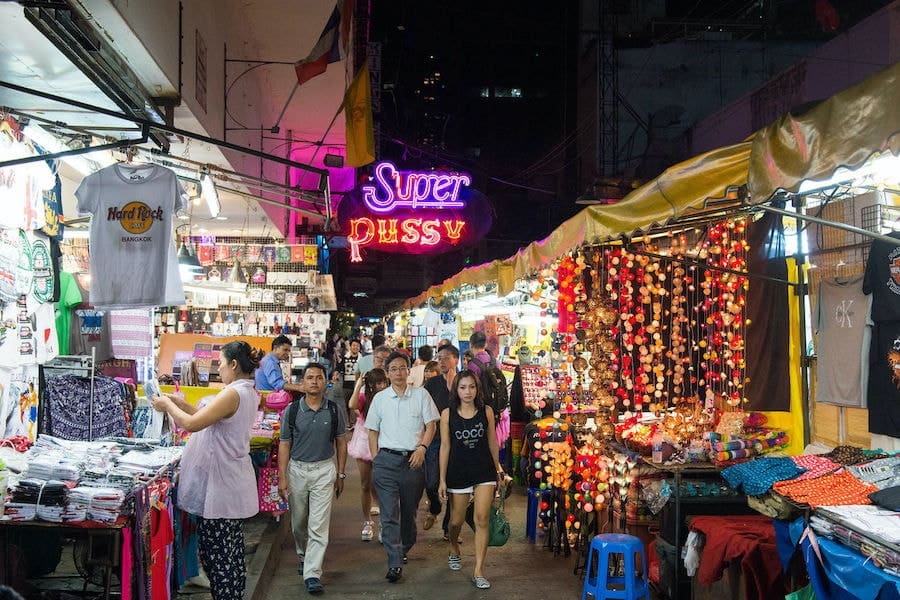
[358, 119]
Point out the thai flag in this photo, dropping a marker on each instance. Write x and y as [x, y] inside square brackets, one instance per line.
[332, 45]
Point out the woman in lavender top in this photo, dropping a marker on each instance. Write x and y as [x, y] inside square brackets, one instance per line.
[217, 482]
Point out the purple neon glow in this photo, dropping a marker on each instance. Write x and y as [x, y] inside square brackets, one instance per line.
[413, 190]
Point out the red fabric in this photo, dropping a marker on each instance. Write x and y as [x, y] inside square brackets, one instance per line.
[749, 540]
[161, 537]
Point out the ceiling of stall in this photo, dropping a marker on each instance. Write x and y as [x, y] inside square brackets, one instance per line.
[272, 30]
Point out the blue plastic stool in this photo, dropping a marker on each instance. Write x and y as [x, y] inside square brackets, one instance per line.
[597, 580]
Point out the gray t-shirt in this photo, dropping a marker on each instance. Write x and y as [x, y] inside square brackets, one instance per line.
[842, 344]
[310, 436]
[133, 259]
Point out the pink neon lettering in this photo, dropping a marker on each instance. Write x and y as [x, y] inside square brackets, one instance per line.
[355, 240]
[410, 233]
[454, 230]
[431, 235]
[387, 231]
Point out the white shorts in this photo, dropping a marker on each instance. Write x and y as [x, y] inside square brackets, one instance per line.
[470, 489]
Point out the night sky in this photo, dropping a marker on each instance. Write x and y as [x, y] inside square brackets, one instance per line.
[490, 88]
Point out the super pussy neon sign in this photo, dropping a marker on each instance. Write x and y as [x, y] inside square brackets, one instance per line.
[422, 196]
[394, 189]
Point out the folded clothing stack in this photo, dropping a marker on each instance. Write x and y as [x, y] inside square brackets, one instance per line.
[37, 498]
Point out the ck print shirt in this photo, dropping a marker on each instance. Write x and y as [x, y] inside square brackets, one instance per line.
[132, 250]
[842, 342]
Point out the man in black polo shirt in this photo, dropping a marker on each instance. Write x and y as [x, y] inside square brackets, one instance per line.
[439, 388]
[307, 476]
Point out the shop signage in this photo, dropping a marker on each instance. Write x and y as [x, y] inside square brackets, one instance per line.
[413, 212]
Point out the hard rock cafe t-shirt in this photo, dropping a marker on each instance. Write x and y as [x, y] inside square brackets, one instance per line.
[133, 261]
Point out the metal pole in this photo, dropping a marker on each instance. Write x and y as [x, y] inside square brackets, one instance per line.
[166, 128]
[275, 128]
[801, 291]
[844, 226]
[75, 152]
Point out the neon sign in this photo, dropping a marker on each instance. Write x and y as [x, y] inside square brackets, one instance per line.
[413, 190]
[413, 212]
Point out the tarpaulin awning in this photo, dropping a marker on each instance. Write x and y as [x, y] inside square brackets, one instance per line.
[681, 187]
[844, 130]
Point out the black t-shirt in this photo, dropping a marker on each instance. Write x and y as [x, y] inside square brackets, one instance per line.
[882, 279]
[440, 393]
[883, 396]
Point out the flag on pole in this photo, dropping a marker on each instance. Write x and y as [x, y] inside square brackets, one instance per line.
[358, 119]
[332, 45]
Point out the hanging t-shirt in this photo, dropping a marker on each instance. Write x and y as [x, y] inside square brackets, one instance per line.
[69, 297]
[133, 259]
[22, 188]
[53, 208]
[884, 379]
[842, 345]
[882, 279]
[89, 329]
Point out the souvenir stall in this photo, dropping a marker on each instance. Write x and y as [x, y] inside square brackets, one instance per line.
[665, 306]
[68, 379]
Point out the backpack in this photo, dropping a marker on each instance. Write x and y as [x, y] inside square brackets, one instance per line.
[295, 406]
[493, 385]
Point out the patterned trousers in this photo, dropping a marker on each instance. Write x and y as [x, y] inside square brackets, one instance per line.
[222, 557]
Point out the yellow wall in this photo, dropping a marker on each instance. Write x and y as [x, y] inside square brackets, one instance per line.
[792, 421]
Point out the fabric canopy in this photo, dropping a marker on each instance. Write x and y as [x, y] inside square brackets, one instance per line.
[844, 130]
[684, 186]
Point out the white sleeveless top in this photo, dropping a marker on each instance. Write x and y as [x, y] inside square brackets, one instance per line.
[217, 479]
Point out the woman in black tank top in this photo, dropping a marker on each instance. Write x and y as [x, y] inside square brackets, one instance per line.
[469, 465]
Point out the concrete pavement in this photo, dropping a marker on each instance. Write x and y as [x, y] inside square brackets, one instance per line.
[356, 569]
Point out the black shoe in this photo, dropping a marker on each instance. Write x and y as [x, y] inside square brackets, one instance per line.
[393, 574]
[314, 586]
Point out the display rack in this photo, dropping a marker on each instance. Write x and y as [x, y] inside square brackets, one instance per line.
[82, 366]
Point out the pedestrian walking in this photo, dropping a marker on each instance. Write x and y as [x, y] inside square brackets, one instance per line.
[401, 424]
[470, 466]
[313, 433]
[373, 382]
[439, 390]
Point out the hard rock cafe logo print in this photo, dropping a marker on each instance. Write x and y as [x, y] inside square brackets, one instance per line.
[135, 217]
[894, 266]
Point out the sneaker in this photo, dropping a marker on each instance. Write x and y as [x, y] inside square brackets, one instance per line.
[314, 586]
[405, 559]
[375, 511]
[454, 562]
[481, 583]
[394, 574]
[368, 531]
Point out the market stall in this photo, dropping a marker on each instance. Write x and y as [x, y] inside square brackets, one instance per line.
[674, 331]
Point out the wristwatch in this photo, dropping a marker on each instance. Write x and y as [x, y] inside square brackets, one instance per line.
[342, 475]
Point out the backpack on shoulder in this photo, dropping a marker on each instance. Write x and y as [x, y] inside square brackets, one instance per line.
[493, 385]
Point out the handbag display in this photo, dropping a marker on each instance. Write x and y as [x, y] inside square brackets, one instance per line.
[267, 488]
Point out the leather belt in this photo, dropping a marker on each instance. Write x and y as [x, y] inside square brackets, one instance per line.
[403, 453]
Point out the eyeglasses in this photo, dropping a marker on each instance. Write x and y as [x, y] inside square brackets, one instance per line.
[398, 369]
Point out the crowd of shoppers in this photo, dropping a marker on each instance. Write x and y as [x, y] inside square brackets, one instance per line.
[411, 431]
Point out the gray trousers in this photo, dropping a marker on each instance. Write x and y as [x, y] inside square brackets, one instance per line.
[399, 489]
